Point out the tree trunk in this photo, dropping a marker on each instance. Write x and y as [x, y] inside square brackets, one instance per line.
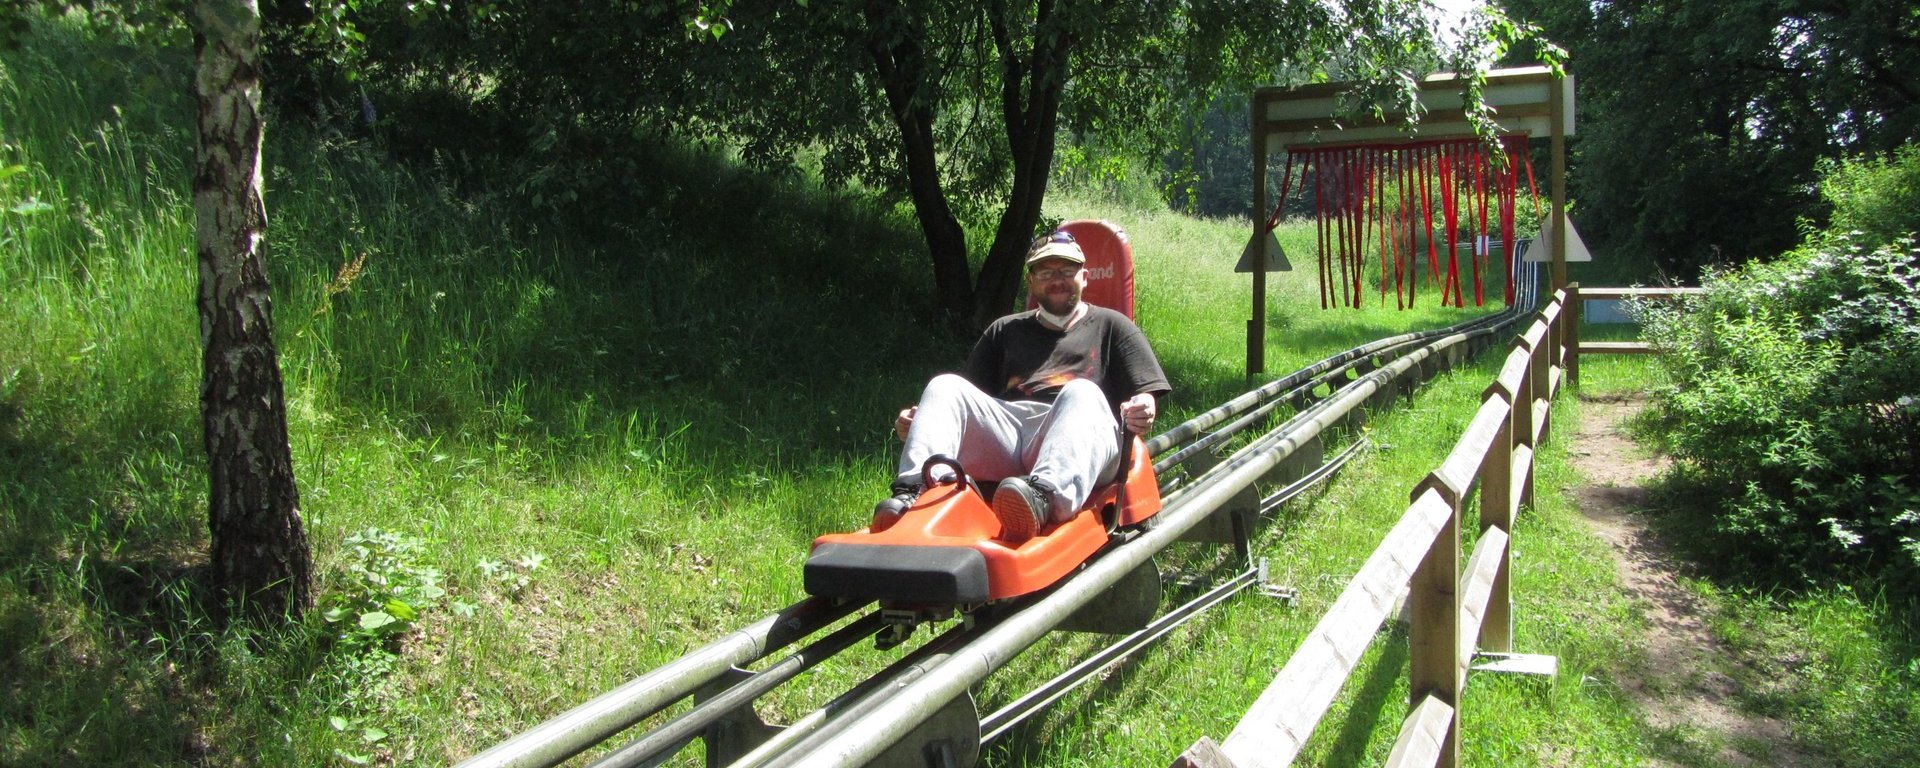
[260, 556]
[1030, 102]
[1030, 106]
[902, 65]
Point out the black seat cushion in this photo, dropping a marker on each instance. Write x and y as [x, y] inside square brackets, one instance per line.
[904, 573]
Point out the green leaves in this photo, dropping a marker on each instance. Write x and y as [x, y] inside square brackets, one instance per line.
[28, 206]
[709, 20]
[374, 620]
[1877, 197]
[1791, 407]
[369, 735]
[396, 614]
[513, 577]
[959, 105]
[1702, 121]
[385, 587]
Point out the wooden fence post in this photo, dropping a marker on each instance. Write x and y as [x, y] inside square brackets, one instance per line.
[1523, 395]
[1575, 307]
[1496, 511]
[1433, 639]
[1540, 386]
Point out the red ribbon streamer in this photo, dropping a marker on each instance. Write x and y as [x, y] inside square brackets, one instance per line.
[1375, 200]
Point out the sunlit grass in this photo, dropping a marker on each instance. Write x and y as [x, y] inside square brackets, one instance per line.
[648, 421]
[1828, 663]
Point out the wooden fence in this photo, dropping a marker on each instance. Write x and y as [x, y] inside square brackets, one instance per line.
[1577, 297]
[1452, 613]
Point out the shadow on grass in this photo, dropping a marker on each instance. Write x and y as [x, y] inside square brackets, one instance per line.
[131, 681]
[1835, 652]
[71, 701]
[1338, 333]
[1687, 517]
[1199, 383]
[110, 651]
[1372, 702]
[755, 313]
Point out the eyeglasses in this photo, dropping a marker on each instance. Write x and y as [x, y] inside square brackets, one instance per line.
[1060, 272]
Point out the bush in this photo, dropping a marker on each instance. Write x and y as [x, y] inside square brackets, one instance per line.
[1877, 199]
[1793, 399]
[1793, 406]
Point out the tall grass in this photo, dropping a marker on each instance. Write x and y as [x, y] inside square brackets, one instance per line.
[607, 441]
[636, 417]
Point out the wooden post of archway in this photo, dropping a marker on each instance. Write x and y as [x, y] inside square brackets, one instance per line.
[1527, 100]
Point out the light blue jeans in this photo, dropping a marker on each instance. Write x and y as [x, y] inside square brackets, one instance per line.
[1073, 443]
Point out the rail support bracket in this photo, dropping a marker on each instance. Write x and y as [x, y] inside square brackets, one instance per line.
[739, 731]
[949, 739]
[1285, 594]
[1129, 604]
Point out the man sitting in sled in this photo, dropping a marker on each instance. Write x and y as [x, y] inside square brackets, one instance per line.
[1035, 408]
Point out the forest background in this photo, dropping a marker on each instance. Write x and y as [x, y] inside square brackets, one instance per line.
[417, 150]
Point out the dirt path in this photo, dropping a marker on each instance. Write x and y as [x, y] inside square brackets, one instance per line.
[1681, 687]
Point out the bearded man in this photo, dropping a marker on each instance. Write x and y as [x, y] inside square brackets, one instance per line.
[1039, 405]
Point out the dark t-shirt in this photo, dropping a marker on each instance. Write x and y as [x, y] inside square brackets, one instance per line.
[1020, 358]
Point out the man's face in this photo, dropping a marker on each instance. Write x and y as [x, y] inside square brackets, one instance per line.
[1055, 284]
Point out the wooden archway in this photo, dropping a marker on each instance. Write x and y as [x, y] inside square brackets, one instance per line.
[1534, 101]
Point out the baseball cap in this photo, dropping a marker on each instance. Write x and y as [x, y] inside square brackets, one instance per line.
[1055, 245]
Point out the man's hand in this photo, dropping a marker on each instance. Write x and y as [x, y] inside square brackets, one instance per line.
[904, 421]
[1138, 412]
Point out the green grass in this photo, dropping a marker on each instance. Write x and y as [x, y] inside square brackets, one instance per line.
[1840, 668]
[613, 443]
[1830, 662]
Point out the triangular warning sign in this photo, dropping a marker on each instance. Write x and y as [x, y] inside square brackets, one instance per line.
[1541, 249]
[1265, 243]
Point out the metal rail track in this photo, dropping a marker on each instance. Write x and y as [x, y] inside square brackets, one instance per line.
[919, 710]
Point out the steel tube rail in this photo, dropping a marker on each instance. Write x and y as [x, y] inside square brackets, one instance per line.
[646, 696]
[582, 727]
[1191, 429]
[1323, 404]
[1323, 414]
[1197, 427]
[1261, 411]
[1449, 608]
[1308, 480]
[1282, 717]
[863, 698]
[1299, 485]
[861, 741]
[1194, 427]
[1039, 698]
[670, 736]
[986, 655]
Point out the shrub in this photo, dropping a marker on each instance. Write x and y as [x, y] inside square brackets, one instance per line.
[384, 589]
[1793, 405]
[1878, 199]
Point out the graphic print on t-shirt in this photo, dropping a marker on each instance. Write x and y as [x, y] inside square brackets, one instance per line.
[1064, 365]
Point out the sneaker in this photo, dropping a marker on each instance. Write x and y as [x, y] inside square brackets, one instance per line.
[1023, 504]
[904, 494]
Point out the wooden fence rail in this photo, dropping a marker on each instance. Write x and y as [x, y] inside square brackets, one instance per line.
[1453, 614]
[1577, 298]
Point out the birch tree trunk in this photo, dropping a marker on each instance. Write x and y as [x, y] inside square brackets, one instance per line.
[260, 555]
